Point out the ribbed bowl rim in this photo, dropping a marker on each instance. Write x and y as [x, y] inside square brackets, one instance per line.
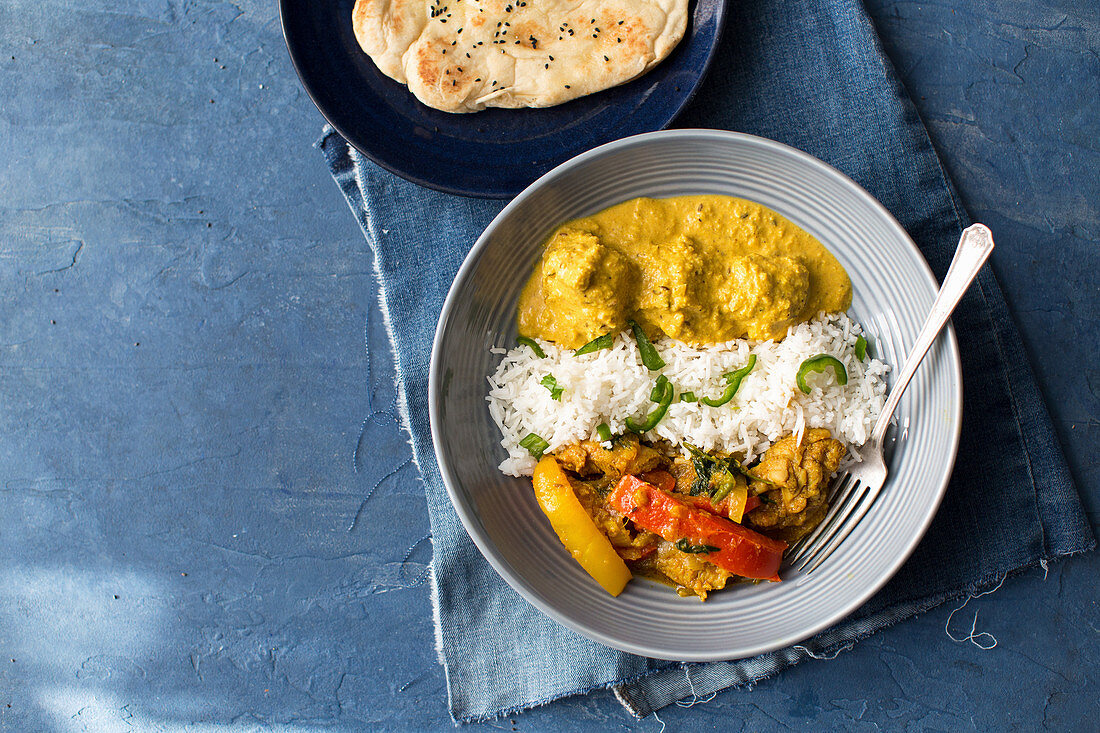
[467, 513]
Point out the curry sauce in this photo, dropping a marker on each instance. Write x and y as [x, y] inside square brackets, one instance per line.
[700, 269]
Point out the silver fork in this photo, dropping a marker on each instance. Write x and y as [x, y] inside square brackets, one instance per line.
[854, 491]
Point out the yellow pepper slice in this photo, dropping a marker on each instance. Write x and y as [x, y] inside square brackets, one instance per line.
[737, 500]
[575, 527]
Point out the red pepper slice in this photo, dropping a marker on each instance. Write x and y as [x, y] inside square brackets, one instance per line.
[740, 550]
[664, 481]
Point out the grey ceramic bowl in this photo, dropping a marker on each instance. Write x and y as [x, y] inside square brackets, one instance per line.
[893, 290]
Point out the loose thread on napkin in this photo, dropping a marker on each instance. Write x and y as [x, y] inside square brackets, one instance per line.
[974, 635]
[834, 655]
[659, 721]
[694, 695]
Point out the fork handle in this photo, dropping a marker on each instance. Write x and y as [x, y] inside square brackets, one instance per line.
[974, 249]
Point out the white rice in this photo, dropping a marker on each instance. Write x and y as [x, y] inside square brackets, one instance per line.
[611, 385]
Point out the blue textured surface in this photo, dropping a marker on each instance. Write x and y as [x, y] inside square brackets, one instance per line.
[183, 383]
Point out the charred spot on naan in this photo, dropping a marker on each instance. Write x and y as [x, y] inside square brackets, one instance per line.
[636, 41]
[429, 60]
[441, 76]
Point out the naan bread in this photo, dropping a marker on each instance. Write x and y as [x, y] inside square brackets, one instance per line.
[466, 55]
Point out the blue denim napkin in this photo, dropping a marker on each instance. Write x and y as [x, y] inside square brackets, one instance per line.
[811, 74]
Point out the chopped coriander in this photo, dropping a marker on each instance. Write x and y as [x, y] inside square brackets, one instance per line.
[552, 384]
[683, 545]
[534, 444]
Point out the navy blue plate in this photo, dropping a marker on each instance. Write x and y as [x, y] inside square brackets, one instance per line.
[490, 154]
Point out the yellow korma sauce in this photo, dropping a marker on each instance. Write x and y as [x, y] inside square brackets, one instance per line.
[701, 269]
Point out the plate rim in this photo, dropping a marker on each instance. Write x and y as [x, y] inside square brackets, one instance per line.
[531, 594]
[296, 62]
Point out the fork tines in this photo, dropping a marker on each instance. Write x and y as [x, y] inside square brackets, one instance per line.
[847, 496]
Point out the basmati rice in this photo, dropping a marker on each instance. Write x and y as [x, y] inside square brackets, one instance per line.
[611, 385]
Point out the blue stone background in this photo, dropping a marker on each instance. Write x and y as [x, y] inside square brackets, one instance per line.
[208, 516]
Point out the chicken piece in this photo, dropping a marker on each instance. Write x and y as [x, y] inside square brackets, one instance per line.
[799, 480]
[574, 457]
[683, 471]
[627, 455]
[689, 571]
[630, 543]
